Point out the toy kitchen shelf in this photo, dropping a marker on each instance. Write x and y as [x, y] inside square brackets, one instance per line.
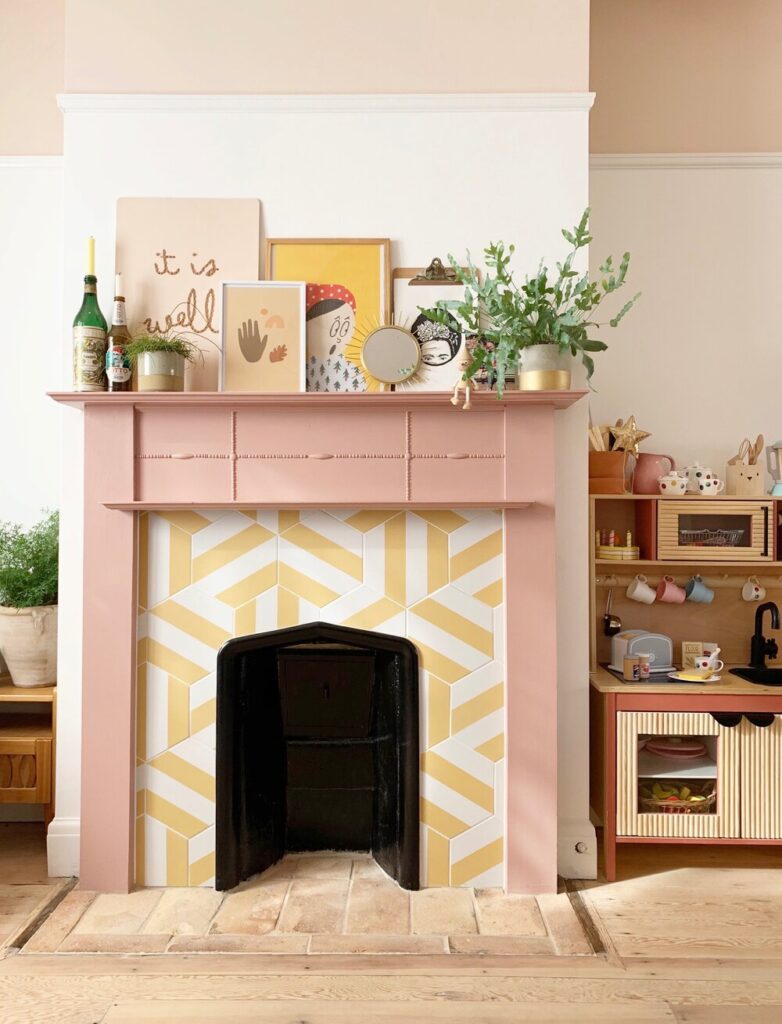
[742, 764]
[657, 524]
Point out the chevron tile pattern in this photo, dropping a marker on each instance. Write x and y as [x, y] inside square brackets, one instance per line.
[435, 577]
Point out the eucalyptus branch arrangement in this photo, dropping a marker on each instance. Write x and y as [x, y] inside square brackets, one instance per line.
[502, 318]
[29, 563]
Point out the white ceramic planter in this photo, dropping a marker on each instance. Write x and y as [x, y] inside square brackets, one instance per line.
[543, 368]
[28, 641]
[160, 371]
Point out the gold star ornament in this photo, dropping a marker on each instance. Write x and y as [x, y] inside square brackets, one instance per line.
[627, 436]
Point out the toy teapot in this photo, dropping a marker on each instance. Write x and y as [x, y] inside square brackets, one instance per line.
[695, 474]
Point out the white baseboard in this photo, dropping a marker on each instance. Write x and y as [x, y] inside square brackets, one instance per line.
[62, 847]
[573, 861]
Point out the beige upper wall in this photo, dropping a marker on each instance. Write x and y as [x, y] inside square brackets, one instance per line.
[686, 76]
[31, 75]
[340, 46]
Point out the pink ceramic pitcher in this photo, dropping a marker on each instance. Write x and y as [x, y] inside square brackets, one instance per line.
[648, 469]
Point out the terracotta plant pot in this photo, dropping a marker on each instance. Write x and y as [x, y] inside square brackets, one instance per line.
[28, 642]
[543, 368]
[160, 371]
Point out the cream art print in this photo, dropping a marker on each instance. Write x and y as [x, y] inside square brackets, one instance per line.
[174, 255]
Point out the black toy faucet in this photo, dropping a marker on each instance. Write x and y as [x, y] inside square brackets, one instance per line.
[760, 647]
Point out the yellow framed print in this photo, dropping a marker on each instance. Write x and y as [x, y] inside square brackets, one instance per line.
[348, 288]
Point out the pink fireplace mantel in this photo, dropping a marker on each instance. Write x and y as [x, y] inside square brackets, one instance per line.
[228, 450]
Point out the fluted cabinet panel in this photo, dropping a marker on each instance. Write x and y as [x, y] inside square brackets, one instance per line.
[631, 725]
[761, 780]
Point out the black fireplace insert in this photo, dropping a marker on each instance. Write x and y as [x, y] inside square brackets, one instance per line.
[317, 749]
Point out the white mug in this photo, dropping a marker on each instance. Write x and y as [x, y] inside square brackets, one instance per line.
[704, 664]
[639, 590]
[711, 486]
[710, 654]
[752, 590]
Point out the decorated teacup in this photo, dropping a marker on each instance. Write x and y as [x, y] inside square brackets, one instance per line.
[672, 483]
[709, 486]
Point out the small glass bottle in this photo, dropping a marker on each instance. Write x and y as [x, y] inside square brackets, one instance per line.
[117, 364]
[89, 334]
[644, 666]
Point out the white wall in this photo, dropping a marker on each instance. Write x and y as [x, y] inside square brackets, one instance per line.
[31, 337]
[699, 360]
[30, 348]
[517, 170]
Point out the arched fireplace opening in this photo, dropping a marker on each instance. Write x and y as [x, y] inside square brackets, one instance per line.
[317, 749]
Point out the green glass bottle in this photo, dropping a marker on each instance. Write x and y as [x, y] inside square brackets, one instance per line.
[89, 335]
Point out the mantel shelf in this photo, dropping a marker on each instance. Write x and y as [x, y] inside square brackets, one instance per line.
[312, 400]
[173, 506]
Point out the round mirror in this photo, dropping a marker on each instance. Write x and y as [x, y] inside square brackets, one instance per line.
[390, 354]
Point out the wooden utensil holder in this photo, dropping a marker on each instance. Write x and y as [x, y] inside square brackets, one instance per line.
[610, 473]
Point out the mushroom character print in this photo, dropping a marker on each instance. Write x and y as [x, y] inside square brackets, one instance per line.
[331, 320]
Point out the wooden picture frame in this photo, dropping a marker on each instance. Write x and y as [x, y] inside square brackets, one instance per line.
[264, 336]
[348, 289]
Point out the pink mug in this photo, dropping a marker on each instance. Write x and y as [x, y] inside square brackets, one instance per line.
[668, 590]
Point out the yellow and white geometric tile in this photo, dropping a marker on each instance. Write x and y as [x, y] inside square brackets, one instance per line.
[435, 577]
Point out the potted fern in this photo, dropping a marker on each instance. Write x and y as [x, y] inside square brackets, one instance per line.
[28, 601]
[158, 361]
[534, 328]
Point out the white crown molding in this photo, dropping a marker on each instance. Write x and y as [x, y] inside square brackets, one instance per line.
[683, 161]
[24, 162]
[381, 103]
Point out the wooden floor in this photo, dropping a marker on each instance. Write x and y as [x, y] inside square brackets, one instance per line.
[314, 903]
[25, 888]
[695, 941]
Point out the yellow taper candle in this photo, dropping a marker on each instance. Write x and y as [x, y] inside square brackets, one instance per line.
[91, 255]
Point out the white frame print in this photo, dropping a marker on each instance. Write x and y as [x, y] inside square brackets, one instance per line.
[255, 349]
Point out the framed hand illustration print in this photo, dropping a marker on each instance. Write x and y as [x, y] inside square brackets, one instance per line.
[264, 331]
[348, 288]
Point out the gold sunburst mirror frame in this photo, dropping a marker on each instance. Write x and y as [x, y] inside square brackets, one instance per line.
[386, 352]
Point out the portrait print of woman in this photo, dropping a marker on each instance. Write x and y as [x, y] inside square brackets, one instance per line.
[443, 351]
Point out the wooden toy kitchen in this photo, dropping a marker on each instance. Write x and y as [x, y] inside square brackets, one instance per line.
[685, 589]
